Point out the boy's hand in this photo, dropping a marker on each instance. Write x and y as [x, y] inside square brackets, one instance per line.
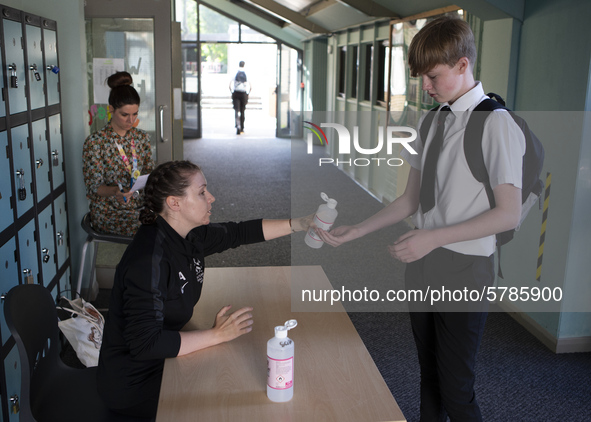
[412, 246]
[339, 235]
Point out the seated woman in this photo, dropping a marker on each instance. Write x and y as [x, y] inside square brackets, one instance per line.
[113, 159]
[159, 281]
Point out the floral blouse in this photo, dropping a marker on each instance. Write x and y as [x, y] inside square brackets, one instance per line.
[104, 165]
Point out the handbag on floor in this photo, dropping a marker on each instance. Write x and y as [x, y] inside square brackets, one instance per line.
[84, 330]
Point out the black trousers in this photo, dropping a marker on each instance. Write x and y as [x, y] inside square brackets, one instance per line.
[448, 334]
[239, 100]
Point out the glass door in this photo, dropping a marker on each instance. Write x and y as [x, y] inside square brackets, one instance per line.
[129, 37]
[289, 92]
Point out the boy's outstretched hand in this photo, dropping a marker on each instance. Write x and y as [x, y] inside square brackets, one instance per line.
[339, 235]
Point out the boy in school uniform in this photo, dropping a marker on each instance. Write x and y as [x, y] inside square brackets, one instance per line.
[453, 244]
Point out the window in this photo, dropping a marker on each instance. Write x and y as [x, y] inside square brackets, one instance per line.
[342, 71]
[215, 27]
[382, 83]
[354, 70]
[367, 61]
[248, 34]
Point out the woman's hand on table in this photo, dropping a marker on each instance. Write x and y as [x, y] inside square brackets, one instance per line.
[231, 326]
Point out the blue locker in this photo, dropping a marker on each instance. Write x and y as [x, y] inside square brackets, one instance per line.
[21, 158]
[35, 59]
[65, 285]
[2, 101]
[12, 368]
[51, 67]
[34, 220]
[8, 279]
[57, 156]
[15, 65]
[61, 228]
[5, 184]
[47, 245]
[27, 247]
[42, 162]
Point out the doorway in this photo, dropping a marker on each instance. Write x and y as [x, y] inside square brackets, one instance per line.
[216, 100]
[129, 37]
[212, 46]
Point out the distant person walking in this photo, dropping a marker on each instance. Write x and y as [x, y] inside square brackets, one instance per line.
[240, 88]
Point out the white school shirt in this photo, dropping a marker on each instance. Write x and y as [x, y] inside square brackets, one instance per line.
[458, 196]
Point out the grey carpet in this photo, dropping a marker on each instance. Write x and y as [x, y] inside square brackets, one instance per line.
[518, 379]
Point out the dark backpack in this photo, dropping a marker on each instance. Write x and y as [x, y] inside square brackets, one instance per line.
[533, 159]
[240, 76]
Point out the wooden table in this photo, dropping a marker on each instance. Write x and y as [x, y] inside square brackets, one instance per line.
[335, 377]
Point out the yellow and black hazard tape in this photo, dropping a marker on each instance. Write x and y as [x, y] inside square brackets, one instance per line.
[544, 221]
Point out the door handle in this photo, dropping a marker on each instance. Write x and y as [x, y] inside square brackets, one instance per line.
[161, 111]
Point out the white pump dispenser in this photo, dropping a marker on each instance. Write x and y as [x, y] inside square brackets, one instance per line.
[280, 351]
[324, 219]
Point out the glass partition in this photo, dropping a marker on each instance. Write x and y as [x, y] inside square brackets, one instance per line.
[117, 44]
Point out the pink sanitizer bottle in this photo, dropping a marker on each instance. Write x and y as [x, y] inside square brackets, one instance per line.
[280, 364]
[324, 219]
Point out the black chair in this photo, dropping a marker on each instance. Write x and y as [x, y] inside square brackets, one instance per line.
[94, 236]
[50, 390]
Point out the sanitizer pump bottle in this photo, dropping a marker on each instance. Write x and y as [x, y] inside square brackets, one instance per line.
[280, 364]
[324, 219]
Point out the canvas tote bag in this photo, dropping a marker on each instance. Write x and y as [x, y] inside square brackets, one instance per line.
[84, 330]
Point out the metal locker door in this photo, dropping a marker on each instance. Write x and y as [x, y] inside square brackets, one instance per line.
[65, 285]
[8, 279]
[51, 67]
[47, 245]
[21, 159]
[15, 66]
[5, 183]
[57, 157]
[42, 161]
[35, 66]
[27, 252]
[61, 229]
[2, 102]
[12, 368]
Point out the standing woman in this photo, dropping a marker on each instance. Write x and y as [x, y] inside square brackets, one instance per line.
[158, 283]
[113, 159]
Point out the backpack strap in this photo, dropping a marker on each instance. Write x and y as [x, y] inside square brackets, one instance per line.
[473, 144]
[474, 154]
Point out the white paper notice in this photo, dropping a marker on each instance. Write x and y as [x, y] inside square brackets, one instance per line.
[178, 103]
[101, 70]
[140, 182]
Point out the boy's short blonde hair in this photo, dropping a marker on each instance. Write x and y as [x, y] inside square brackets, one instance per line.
[444, 40]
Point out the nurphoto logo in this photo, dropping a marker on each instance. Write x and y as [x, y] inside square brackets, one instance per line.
[392, 134]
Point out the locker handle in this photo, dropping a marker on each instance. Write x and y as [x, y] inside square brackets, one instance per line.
[46, 256]
[28, 274]
[13, 77]
[14, 405]
[36, 74]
